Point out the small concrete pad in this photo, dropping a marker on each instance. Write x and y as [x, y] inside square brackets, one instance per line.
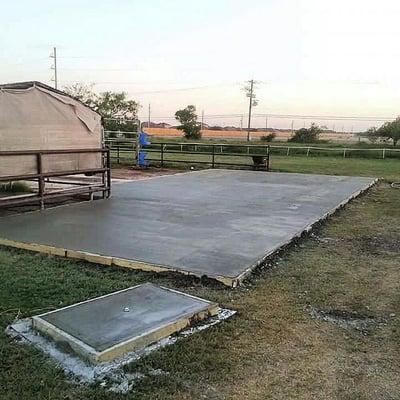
[110, 326]
[217, 223]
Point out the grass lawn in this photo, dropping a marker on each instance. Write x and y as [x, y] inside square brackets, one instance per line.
[388, 169]
[273, 348]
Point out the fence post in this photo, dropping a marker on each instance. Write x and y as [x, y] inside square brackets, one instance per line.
[213, 156]
[40, 180]
[344, 153]
[288, 149]
[108, 167]
[117, 153]
[308, 151]
[162, 155]
[268, 155]
[383, 153]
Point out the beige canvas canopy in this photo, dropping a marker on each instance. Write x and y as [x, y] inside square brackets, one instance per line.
[34, 116]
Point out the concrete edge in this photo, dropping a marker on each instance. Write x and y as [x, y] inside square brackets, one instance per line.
[85, 351]
[107, 260]
[61, 337]
[41, 248]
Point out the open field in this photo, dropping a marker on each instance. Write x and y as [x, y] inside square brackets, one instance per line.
[213, 134]
[273, 349]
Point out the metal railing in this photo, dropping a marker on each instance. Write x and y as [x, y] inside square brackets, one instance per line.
[213, 154]
[121, 149]
[43, 177]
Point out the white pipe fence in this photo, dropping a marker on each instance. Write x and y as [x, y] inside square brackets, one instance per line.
[287, 150]
[344, 151]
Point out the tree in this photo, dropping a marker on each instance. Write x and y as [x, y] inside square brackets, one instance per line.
[268, 138]
[371, 134]
[83, 93]
[389, 130]
[306, 135]
[189, 125]
[119, 113]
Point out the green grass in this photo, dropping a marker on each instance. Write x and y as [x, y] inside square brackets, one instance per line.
[387, 169]
[272, 349]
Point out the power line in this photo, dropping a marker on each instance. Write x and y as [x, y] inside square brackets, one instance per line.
[326, 117]
[100, 69]
[161, 90]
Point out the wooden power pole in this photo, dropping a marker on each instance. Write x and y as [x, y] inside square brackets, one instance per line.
[54, 67]
[250, 95]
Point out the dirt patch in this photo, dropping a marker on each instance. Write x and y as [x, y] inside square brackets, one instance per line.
[137, 173]
[354, 320]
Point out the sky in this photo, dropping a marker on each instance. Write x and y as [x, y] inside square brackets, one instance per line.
[309, 57]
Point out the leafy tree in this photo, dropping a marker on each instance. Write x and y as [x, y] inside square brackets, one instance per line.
[306, 135]
[83, 93]
[371, 134]
[114, 107]
[189, 125]
[388, 131]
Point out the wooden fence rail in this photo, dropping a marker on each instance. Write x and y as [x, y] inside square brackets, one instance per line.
[42, 177]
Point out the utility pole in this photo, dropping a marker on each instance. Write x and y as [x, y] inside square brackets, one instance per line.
[266, 124]
[241, 122]
[292, 127]
[202, 120]
[250, 95]
[54, 67]
[148, 123]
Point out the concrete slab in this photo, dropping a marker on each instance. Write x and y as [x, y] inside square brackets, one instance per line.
[218, 223]
[110, 326]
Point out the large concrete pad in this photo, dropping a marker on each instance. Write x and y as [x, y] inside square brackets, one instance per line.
[218, 223]
[108, 327]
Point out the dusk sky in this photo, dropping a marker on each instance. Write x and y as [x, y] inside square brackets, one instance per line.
[310, 57]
